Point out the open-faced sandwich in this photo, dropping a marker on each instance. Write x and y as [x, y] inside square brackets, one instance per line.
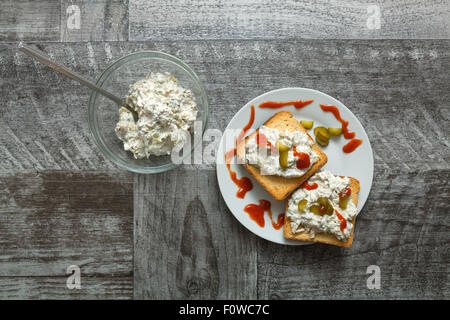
[323, 210]
[281, 155]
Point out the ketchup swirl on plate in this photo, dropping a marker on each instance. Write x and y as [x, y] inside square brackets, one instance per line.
[354, 143]
[244, 184]
[335, 111]
[256, 213]
[275, 105]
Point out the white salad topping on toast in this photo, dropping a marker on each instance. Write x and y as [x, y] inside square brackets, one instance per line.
[329, 186]
[268, 159]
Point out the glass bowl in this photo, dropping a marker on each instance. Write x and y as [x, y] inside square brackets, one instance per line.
[104, 114]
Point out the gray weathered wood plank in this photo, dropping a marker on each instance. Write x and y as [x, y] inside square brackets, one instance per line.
[99, 20]
[187, 244]
[37, 288]
[250, 19]
[50, 220]
[30, 20]
[44, 115]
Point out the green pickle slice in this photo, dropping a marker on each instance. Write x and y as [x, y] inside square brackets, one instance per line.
[321, 142]
[315, 209]
[282, 147]
[316, 130]
[335, 131]
[330, 210]
[284, 159]
[343, 202]
[307, 124]
[322, 201]
[322, 132]
[302, 205]
[322, 136]
[324, 207]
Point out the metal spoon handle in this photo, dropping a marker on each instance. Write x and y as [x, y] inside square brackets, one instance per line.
[39, 55]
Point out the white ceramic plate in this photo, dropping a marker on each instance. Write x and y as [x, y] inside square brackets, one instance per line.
[358, 164]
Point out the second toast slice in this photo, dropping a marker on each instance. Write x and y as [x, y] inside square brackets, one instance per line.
[326, 238]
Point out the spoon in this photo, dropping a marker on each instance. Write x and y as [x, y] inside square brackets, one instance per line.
[39, 55]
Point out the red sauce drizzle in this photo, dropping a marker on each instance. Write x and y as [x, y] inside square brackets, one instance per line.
[274, 105]
[307, 186]
[345, 192]
[244, 184]
[335, 111]
[352, 145]
[303, 161]
[248, 126]
[256, 213]
[343, 221]
[263, 142]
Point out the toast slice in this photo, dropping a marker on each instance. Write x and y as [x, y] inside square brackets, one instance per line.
[280, 187]
[324, 237]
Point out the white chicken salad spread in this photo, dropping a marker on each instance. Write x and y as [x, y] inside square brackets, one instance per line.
[166, 114]
[329, 186]
[269, 158]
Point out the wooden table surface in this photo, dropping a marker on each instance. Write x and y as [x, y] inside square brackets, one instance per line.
[171, 235]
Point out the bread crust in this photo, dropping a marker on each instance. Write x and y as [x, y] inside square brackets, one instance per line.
[281, 187]
[324, 237]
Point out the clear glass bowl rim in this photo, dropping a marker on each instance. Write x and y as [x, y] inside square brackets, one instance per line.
[105, 75]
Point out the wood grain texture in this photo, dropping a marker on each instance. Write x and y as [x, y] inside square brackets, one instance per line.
[30, 20]
[187, 244]
[100, 20]
[37, 288]
[50, 220]
[44, 115]
[251, 19]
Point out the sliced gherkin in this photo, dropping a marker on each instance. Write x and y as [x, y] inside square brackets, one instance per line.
[282, 147]
[335, 131]
[316, 129]
[302, 205]
[322, 201]
[343, 202]
[322, 133]
[315, 209]
[307, 124]
[324, 207]
[284, 159]
[330, 209]
[321, 142]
